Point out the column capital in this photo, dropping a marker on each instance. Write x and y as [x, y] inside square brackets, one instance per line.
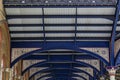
[111, 67]
[112, 70]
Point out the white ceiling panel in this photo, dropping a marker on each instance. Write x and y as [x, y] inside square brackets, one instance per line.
[39, 28]
[60, 35]
[95, 28]
[23, 11]
[94, 35]
[59, 11]
[59, 20]
[60, 28]
[27, 35]
[96, 11]
[94, 21]
[25, 21]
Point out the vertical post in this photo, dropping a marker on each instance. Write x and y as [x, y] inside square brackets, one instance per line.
[112, 69]
[5, 70]
[75, 26]
[113, 34]
[43, 23]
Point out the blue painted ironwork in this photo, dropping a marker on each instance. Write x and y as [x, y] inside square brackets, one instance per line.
[64, 45]
[60, 46]
[38, 44]
[34, 32]
[60, 56]
[61, 38]
[54, 25]
[56, 62]
[61, 78]
[113, 34]
[73, 69]
[72, 75]
[110, 17]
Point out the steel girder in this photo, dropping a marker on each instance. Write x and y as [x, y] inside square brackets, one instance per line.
[113, 34]
[72, 75]
[69, 46]
[73, 62]
[73, 69]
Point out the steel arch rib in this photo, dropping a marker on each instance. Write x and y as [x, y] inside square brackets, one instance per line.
[113, 34]
[55, 79]
[79, 70]
[45, 62]
[70, 75]
[60, 47]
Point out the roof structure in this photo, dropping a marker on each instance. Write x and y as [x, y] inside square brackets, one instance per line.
[63, 39]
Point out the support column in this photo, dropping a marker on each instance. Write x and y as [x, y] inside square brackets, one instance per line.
[112, 72]
[6, 74]
[18, 70]
[5, 70]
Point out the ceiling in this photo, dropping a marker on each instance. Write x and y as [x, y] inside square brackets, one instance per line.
[60, 23]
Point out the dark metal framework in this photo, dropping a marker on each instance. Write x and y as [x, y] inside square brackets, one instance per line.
[73, 69]
[74, 75]
[75, 44]
[66, 61]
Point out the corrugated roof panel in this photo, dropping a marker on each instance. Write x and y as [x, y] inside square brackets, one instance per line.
[94, 21]
[59, 11]
[23, 11]
[25, 21]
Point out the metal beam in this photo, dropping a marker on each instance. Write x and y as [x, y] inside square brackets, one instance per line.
[54, 25]
[43, 22]
[113, 34]
[110, 17]
[78, 70]
[38, 44]
[54, 46]
[75, 62]
[72, 75]
[54, 78]
[60, 38]
[77, 31]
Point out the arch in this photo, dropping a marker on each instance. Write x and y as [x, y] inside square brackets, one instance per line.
[117, 60]
[70, 47]
[51, 75]
[72, 69]
[77, 62]
[55, 79]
